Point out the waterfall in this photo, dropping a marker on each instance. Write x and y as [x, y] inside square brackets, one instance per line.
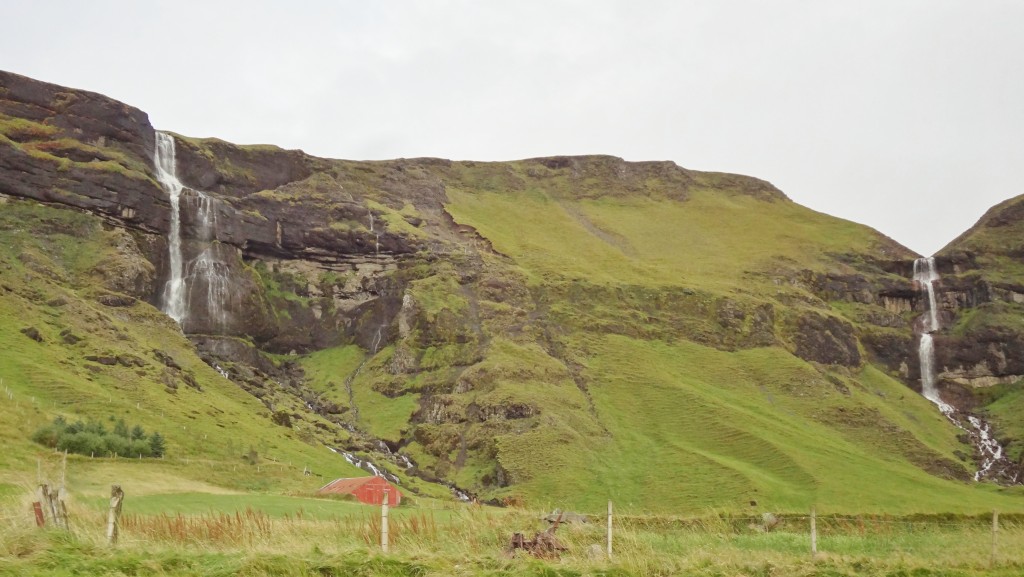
[206, 270]
[925, 275]
[206, 214]
[990, 449]
[378, 338]
[166, 173]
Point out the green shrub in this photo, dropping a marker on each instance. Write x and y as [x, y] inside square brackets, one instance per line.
[92, 438]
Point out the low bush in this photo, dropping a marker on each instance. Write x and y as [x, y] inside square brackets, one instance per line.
[93, 439]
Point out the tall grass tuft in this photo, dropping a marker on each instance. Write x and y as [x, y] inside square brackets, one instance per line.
[247, 528]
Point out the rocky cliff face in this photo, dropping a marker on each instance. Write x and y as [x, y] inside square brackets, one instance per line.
[311, 254]
[982, 298]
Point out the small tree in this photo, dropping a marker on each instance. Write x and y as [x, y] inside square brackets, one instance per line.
[156, 444]
[138, 433]
[97, 428]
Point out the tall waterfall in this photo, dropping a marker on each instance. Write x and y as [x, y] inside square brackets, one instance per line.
[173, 298]
[924, 273]
[980, 432]
[207, 272]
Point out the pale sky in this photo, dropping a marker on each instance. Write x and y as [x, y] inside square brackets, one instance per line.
[907, 116]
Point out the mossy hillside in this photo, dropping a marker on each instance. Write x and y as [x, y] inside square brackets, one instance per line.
[45, 142]
[404, 221]
[493, 384]
[525, 289]
[497, 383]
[1005, 411]
[721, 429]
[790, 434]
[987, 262]
[999, 232]
[709, 241]
[49, 285]
[574, 273]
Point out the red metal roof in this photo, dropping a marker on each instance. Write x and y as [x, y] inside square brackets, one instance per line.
[345, 485]
[369, 490]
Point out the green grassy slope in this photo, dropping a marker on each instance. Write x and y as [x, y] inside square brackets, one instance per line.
[988, 264]
[711, 240]
[668, 424]
[52, 279]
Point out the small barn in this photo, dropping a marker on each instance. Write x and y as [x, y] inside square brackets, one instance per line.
[369, 490]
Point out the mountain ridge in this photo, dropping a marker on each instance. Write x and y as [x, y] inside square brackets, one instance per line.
[490, 320]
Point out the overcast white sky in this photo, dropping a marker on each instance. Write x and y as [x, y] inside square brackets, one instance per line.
[905, 115]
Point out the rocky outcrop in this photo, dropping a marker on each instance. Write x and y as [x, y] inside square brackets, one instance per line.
[89, 151]
[825, 339]
[78, 148]
[984, 357]
[233, 171]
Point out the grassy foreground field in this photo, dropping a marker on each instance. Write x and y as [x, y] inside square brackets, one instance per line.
[278, 539]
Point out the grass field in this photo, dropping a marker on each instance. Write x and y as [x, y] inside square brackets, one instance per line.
[275, 537]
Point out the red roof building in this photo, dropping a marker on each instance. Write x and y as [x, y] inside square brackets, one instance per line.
[369, 490]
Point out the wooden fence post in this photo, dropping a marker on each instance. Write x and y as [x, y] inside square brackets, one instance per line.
[48, 503]
[116, 498]
[37, 508]
[609, 529]
[62, 512]
[41, 493]
[995, 532]
[814, 534]
[384, 523]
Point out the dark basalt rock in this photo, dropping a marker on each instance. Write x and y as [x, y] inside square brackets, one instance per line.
[109, 172]
[101, 124]
[252, 168]
[895, 350]
[997, 351]
[70, 338]
[826, 339]
[112, 300]
[102, 359]
[166, 359]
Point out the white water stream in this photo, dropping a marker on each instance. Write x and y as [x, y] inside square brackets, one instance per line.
[166, 173]
[991, 451]
[183, 278]
[367, 465]
[207, 267]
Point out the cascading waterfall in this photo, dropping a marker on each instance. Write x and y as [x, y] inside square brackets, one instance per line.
[173, 298]
[215, 274]
[991, 451]
[924, 273]
[206, 214]
[206, 270]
